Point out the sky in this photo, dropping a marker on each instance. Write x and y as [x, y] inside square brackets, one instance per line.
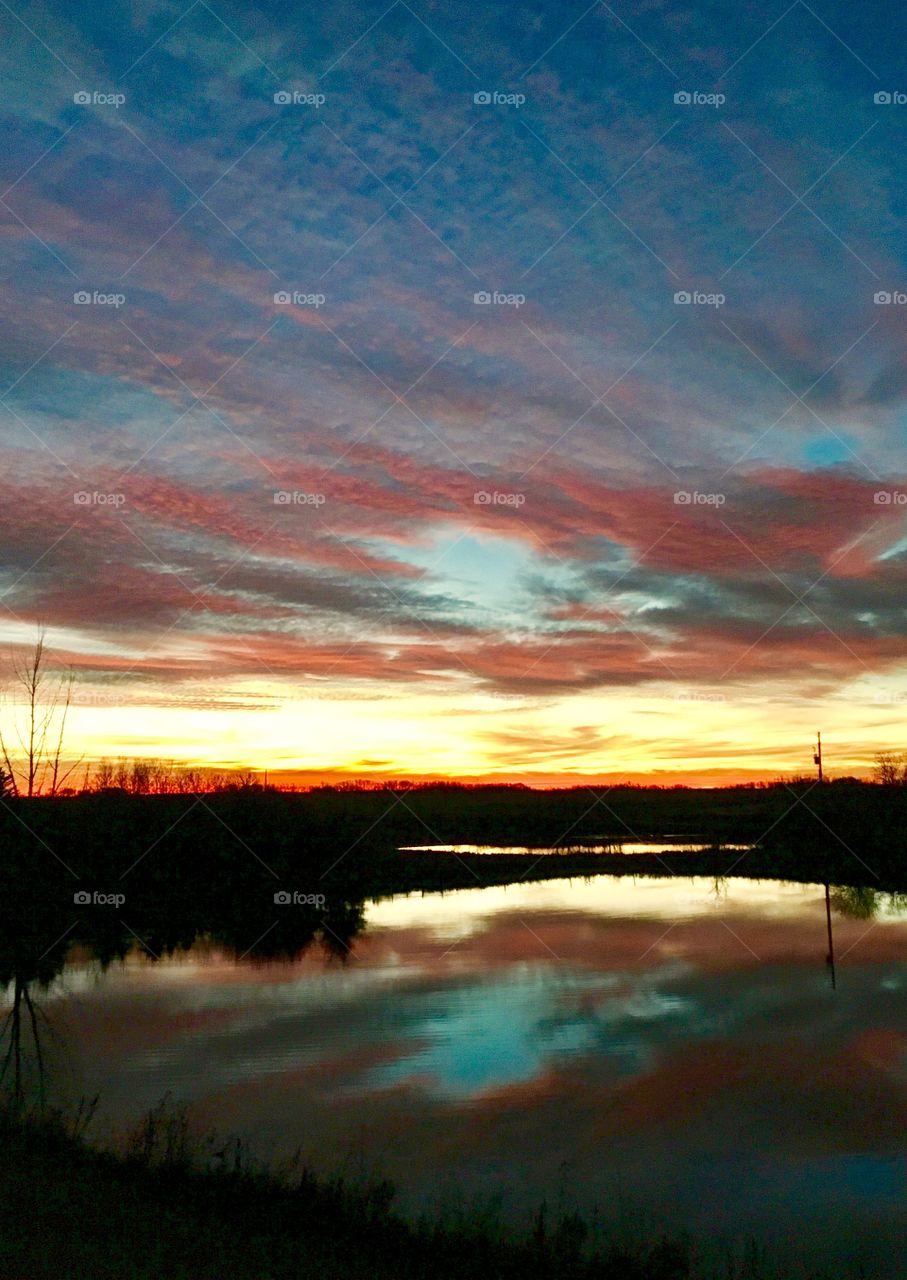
[453, 390]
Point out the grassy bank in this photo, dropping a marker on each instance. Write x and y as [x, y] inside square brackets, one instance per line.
[68, 1212]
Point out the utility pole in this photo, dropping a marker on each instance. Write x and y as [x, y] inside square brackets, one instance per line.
[817, 758]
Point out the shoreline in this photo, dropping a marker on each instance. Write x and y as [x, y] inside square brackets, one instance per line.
[70, 1211]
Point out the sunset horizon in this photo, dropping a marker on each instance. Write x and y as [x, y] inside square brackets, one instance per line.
[96, 731]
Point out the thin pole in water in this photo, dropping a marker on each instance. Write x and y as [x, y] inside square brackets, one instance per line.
[830, 958]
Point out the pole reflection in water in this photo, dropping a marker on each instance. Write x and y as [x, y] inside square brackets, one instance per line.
[830, 957]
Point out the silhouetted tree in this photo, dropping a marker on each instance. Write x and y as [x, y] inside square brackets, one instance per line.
[891, 768]
[104, 776]
[165, 778]
[36, 765]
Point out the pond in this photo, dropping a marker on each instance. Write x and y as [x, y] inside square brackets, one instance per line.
[678, 1052]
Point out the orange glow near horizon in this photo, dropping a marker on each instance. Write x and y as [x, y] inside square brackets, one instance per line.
[639, 738]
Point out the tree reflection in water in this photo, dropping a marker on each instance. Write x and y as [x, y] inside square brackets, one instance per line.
[26, 1029]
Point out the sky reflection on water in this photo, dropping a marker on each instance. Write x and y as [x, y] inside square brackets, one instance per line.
[633, 1042]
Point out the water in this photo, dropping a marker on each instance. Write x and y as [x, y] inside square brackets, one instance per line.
[672, 1050]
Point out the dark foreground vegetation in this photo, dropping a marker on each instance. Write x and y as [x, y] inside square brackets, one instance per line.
[170, 1209]
[347, 842]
